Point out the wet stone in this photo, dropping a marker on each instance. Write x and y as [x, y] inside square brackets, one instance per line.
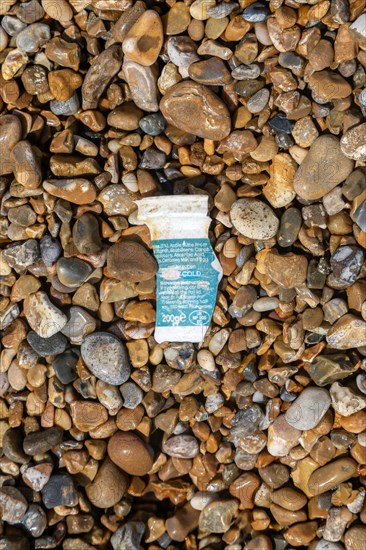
[348, 332]
[108, 486]
[13, 446]
[55, 345]
[106, 357]
[211, 72]
[144, 40]
[280, 123]
[86, 235]
[104, 68]
[326, 369]
[33, 37]
[153, 159]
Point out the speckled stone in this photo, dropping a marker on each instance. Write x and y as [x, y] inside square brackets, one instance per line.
[54, 345]
[106, 357]
[254, 219]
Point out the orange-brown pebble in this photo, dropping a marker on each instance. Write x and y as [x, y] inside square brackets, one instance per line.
[130, 453]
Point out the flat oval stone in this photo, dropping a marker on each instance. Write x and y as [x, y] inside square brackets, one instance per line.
[308, 409]
[177, 19]
[125, 116]
[255, 13]
[10, 133]
[329, 476]
[195, 109]
[181, 446]
[40, 442]
[72, 272]
[144, 40]
[54, 345]
[75, 190]
[130, 453]
[324, 167]
[108, 486]
[106, 357]
[153, 124]
[130, 261]
[254, 219]
[353, 143]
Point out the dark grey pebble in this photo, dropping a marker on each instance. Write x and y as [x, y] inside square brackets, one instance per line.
[54, 345]
[65, 366]
[59, 491]
[153, 124]
[42, 441]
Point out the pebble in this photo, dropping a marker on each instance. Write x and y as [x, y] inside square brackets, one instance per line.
[141, 46]
[26, 165]
[13, 505]
[329, 86]
[195, 109]
[60, 491]
[75, 190]
[316, 177]
[128, 536]
[288, 270]
[130, 261]
[254, 219]
[308, 409]
[37, 476]
[326, 369]
[65, 108]
[35, 520]
[43, 317]
[211, 72]
[290, 225]
[12, 445]
[130, 453]
[72, 272]
[282, 437]
[348, 332]
[353, 143]
[329, 476]
[40, 442]
[50, 250]
[87, 415]
[180, 525]
[106, 357]
[217, 516]
[33, 37]
[246, 72]
[279, 190]
[30, 12]
[355, 537]
[85, 234]
[181, 446]
[345, 401]
[54, 345]
[108, 487]
[105, 67]
[153, 125]
[142, 82]
[10, 135]
[256, 13]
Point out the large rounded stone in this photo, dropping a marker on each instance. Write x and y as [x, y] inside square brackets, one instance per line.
[106, 357]
[195, 109]
[324, 167]
[130, 261]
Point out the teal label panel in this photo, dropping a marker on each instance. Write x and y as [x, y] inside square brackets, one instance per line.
[186, 282]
